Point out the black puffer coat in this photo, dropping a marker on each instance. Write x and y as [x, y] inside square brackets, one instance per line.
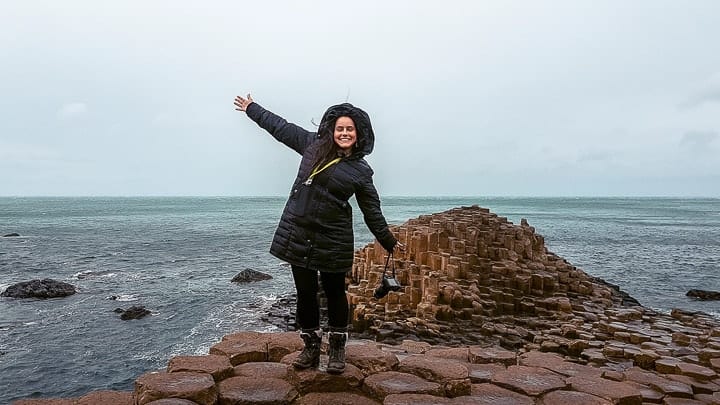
[315, 229]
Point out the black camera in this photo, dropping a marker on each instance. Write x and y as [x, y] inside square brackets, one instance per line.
[388, 284]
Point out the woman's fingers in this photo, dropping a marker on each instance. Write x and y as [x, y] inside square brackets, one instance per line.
[242, 103]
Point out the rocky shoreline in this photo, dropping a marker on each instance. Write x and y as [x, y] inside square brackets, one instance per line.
[486, 315]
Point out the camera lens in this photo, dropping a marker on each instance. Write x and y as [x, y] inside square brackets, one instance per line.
[380, 292]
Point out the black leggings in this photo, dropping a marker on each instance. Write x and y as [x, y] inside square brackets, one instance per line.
[308, 310]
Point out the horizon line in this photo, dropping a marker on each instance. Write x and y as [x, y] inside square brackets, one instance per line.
[439, 196]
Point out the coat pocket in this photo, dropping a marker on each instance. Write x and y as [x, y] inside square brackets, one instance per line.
[300, 200]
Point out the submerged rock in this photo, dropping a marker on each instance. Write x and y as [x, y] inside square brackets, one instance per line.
[704, 295]
[134, 312]
[10, 235]
[249, 276]
[46, 288]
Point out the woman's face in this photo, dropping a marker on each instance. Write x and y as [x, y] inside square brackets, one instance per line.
[345, 135]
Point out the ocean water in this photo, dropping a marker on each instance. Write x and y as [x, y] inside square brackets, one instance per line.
[176, 257]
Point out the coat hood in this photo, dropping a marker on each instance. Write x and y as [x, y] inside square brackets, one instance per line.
[365, 134]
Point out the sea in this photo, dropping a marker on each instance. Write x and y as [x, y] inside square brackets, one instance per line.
[177, 255]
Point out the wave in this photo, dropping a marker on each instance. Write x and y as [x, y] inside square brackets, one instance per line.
[81, 275]
[123, 297]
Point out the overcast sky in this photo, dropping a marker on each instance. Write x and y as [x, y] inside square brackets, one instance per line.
[473, 98]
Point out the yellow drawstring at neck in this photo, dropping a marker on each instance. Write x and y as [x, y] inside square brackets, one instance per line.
[317, 170]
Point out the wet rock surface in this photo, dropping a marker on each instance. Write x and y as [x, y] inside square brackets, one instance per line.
[134, 312]
[417, 373]
[250, 276]
[45, 288]
[704, 295]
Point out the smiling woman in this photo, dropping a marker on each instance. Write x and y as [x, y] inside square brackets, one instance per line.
[345, 135]
[315, 234]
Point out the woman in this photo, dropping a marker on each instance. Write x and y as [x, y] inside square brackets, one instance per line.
[315, 233]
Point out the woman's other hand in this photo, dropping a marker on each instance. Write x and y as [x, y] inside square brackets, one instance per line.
[242, 103]
[399, 247]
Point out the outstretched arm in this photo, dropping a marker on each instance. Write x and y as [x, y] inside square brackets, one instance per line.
[369, 202]
[290, 134]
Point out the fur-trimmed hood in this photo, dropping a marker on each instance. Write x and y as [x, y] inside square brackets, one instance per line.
[365, 135]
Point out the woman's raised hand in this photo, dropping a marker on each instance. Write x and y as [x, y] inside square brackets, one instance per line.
[242, 103]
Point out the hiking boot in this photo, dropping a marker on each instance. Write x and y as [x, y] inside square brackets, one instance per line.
[310, 355]
[336, 352]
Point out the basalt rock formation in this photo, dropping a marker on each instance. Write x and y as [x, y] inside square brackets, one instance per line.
[471, 276]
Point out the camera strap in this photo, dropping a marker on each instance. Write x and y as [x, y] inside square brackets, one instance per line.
[387, 262]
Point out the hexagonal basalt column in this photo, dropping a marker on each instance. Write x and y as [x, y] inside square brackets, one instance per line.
[197, 387]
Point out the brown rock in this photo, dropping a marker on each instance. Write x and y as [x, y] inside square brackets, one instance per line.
[698, 386]
[281, 344]
[169, 401]
[241, 351]
[318, 380]
[594, 355]
[681, 339]
[708, 399]
[616, 392]
[705, 355]
[197, 387]
[217, 366]
[696, 371]
[557, 364]
[666, 365]
[418, 399]
[335, 398]
[649, 395]
[452, 374]
[381, 385]
[433, 368]
[681, 401]
[247, 390]
[489, 394]
[532, 381]
[264, 369]
[369, 358]
[571, 398]
[482, 373]
[457, 353]
[481, 355]
[107, 397]
[613, 375]
[646, 359]
[413, 347]
[664, 385]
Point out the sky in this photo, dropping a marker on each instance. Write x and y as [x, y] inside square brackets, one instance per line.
[467, 98]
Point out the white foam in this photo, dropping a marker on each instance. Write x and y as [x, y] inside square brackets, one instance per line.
[3, 286]
[80, 274]
[126, 297]
[94, 274]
